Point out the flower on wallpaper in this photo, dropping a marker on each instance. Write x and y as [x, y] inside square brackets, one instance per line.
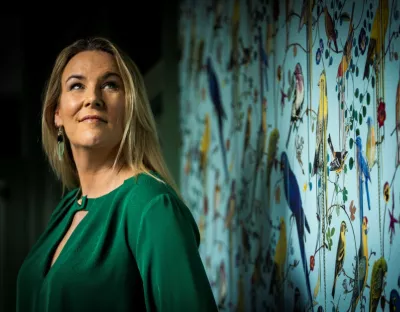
[381, 113]
[362, 40]
[305, 187]
[386, 192]
[312, 262]
[352, 209]
[318, 56]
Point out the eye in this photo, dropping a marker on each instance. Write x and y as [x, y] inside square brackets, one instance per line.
[76, 86]
[110, 85]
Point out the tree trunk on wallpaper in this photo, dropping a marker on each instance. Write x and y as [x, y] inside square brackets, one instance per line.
[290, 113]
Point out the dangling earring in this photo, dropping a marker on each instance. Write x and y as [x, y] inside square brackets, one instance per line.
[60, 144]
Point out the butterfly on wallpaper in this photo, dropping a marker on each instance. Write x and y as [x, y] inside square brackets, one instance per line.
[352, 209]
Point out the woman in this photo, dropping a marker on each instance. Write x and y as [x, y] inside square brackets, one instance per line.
[121, 239]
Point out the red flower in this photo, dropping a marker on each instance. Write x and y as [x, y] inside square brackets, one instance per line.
[312, 263]
[381, 113]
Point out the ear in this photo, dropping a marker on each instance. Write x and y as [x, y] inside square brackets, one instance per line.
[57, 118]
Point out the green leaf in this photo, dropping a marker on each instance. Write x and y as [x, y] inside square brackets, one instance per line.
[345, 193]
[364, 111]
[332, 231]
[361, 98]
[360, 119]
[309, 168]
[357, 71]
[345, 113]
[373, 82]
[356, 52]
[326, 53]
[357, 132]
[351, 143]
[356, 93]
[368, 98]
[351, 163]
[345, 168]
[337, 211]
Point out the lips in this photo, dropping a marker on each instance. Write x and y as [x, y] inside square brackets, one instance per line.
[93, 117]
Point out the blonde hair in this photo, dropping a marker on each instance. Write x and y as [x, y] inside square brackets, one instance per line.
[139, 147]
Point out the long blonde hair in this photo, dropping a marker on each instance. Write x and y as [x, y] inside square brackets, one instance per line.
[139, 148]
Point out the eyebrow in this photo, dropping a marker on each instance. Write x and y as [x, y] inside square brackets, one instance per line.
[105, 76]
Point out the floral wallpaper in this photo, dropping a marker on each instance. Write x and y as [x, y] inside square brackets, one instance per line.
[290, 123]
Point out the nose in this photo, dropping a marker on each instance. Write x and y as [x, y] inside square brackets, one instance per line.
[94, 99]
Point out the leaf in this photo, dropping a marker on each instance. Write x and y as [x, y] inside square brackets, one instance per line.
[345, 168]
[356, 51]
[373, 82]
[357, 71]
[368, 98]
[316, 289]
[357, 132]
[351, 143]
[361, 98]
[337, 211]
[356, 93]
[309, 167]
[360, 118]
[345, 17]
[332, 231]
[351, 163]
[364, 111]
[326, 53]
[312, 127]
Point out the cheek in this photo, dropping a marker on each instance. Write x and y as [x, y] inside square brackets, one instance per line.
[69, 106]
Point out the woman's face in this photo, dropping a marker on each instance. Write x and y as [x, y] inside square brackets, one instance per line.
[92, 101]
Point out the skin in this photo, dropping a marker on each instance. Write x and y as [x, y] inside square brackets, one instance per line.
[92, 85]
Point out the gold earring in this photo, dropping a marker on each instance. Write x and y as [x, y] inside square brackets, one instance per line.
[60, 144]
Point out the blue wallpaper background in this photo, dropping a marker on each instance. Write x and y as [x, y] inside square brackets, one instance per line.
[290, 122]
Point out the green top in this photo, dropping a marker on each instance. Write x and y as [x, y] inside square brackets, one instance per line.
[135, 250]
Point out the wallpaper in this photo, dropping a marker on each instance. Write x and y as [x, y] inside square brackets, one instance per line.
[290, 124]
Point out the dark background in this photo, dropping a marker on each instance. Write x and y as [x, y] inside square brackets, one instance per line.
[30, 43]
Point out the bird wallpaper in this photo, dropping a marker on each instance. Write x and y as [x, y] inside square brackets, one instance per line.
[290, 124]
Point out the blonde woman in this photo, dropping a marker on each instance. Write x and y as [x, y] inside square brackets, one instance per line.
[121, 239]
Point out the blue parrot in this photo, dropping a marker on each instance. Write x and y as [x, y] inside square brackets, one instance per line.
[363, 170]
[263, 59]
[293, 198]
[215, 95]
[394, 302]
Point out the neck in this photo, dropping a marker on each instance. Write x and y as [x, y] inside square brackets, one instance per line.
[96, 171]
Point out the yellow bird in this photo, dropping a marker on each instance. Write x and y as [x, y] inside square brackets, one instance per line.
[379, 271]
[322, 123]
[278, 269]
[377, 35]
[340, 254]
[205, 143]
[371, 144]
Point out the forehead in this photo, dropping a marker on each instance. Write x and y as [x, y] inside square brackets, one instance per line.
[90, 63]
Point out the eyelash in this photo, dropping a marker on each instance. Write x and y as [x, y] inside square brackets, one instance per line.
[113, 85]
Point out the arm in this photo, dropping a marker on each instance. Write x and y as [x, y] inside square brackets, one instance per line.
[174, 278]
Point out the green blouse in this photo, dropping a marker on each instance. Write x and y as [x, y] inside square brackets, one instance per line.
[135, 250]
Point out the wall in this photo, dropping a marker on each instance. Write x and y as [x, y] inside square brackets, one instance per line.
[290, 150]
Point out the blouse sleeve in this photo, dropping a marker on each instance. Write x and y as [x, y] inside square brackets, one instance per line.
[174, 278]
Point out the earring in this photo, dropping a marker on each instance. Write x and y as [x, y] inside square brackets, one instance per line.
[60, 144]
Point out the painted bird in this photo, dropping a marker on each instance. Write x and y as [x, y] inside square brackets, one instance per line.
[371, 143]
[398, 123]
[339, 158]
[271, 159]
[278, 268]
[330, 29]
[215, 95]
[205, 143]
[377, 35]
[363, 173]
[305, 12]
[322, 123]
[394, 301]
[361, 270]
[298, 99]
[347, 49]
[340, 254]
[247, 134]
[379, 271]
[293, 198]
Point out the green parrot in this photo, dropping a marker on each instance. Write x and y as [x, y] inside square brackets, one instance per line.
[271, 158]
[379, 271]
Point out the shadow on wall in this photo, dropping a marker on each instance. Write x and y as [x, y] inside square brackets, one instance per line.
[290, 119]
